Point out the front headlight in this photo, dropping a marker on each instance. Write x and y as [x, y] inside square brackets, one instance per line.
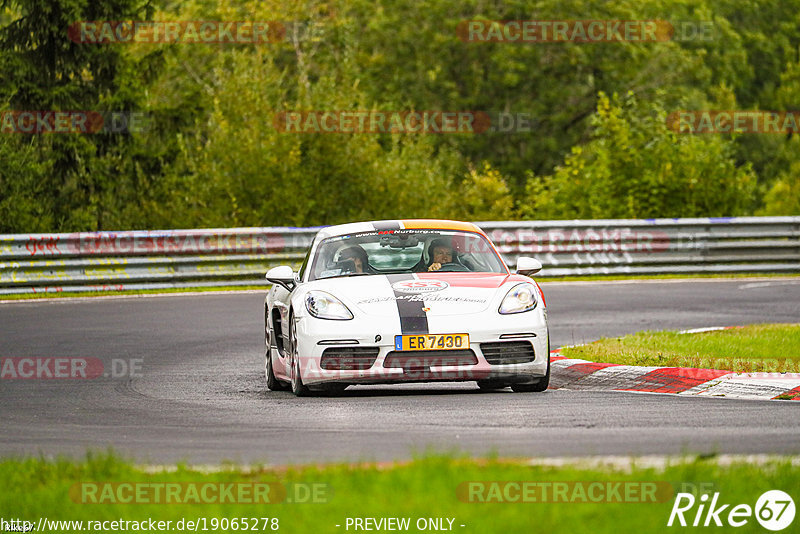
[323, 305]
[519, 299]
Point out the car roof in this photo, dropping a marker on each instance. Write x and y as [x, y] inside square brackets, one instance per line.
[398, 224]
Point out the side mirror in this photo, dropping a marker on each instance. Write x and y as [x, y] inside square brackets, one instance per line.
[528, 266]
[283, 276]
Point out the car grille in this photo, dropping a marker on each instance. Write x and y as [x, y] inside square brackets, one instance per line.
[349, 358]
[430, 358]
[508, 352]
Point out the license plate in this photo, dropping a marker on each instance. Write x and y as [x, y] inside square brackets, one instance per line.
[432, 342]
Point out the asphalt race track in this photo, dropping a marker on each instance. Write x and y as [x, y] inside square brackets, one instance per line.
[201, 397]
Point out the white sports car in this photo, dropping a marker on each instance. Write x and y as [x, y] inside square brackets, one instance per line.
[405, 301]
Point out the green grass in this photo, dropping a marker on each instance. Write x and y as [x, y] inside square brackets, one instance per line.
[427, 487]
[764, 348]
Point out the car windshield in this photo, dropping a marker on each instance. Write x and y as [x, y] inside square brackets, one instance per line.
[404, 251]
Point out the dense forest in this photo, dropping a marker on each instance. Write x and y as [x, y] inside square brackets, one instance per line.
[591, 137]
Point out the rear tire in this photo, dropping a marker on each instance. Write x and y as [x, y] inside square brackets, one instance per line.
[298, 388]
[273, 384]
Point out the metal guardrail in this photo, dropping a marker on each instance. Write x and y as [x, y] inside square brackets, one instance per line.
[113, 261]
[654, 246]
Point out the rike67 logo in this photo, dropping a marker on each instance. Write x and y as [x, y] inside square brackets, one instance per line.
[774, 510]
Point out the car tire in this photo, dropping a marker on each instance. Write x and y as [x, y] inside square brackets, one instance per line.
[491, 385]
[273, 384]
[298, 388]
[541, 384]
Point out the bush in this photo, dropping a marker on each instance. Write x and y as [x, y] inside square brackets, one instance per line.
[634, 166]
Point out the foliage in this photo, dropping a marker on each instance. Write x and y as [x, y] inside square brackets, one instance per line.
[42, 69]
[21, 177]
[636, 167]
[486, 196]
[212, 156]
[783, 198]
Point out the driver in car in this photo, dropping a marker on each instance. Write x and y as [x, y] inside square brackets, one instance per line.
[441, 254]
[357, 255]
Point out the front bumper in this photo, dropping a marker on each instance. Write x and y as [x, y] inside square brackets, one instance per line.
[316, 335]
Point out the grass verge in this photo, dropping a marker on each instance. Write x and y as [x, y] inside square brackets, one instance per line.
[431, 487]
[765, 348]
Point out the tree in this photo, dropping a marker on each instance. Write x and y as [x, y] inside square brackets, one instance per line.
[636, 167]
[238, 169]
[43, 70]
[485, 196]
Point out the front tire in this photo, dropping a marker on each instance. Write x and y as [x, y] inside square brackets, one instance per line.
[542, 383]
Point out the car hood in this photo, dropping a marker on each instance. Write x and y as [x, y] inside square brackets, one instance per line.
[449, 293]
